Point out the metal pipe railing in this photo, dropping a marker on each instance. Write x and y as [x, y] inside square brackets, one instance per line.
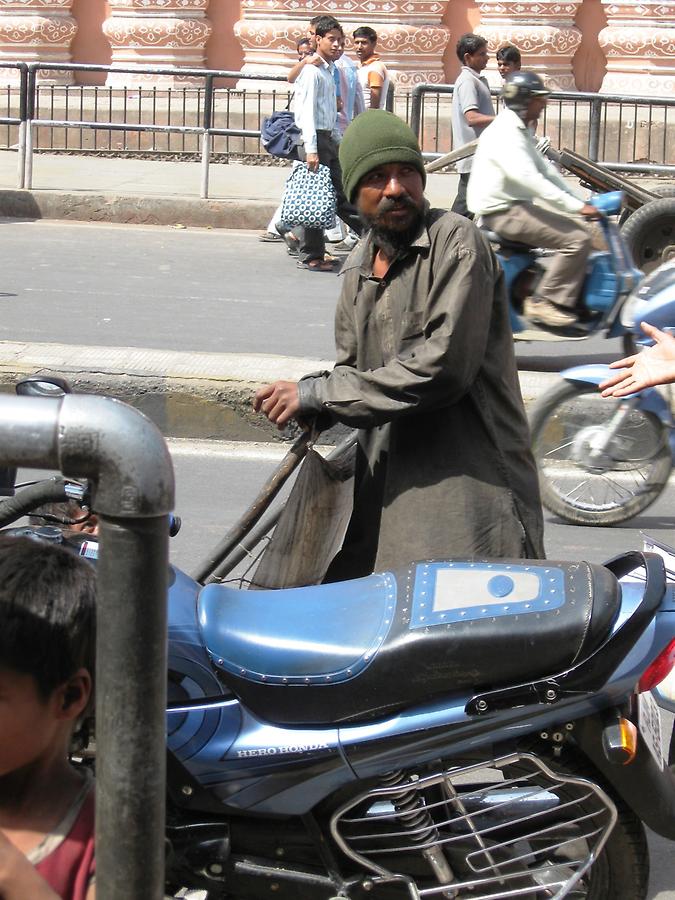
[126, 458]
[597, 105]
[206, 129]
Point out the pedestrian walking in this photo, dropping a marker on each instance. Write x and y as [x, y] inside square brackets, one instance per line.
[425, 370]
[316, 116]
[472, 109]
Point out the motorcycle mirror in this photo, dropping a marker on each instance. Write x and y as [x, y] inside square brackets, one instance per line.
[43, 386]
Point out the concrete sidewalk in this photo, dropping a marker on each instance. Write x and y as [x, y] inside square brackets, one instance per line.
[156, 192]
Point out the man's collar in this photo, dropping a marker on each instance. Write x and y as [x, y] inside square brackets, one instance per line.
[473, 71]
[509, 112]
[366, 62]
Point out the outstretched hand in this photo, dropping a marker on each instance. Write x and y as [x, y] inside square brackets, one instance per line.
[278, 401]
[655, 365]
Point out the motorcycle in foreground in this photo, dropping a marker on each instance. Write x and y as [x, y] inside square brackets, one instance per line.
[610, 278]
[603, 461]
[462, 729]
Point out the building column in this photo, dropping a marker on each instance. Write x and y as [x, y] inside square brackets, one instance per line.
[156, 33]
[639, 43]
[36, 30]
[543, 31]
[411, 39]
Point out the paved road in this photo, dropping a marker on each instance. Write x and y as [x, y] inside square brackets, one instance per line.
[188, 289]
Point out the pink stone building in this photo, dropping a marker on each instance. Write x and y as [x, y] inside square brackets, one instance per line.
[616, 46]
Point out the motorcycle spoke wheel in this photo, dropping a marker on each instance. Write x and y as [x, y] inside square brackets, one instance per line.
[634, 470]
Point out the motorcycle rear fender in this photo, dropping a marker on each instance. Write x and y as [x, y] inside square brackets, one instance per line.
[642, 785]
[650, 400]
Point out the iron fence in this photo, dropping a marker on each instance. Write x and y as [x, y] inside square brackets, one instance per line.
[626, 133]
[210, 121]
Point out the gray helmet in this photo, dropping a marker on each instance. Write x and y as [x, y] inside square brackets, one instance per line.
[520, 87]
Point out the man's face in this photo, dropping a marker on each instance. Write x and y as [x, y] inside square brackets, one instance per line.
[329, 45]
[311, 37]
[304, 49]
[478, 60]
[505, 67]
[364, 48]
[390, 198]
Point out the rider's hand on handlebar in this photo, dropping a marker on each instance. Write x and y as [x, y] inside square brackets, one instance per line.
[588, 211]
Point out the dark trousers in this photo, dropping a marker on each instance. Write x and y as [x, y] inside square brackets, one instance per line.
[312, 243]
[459, 206]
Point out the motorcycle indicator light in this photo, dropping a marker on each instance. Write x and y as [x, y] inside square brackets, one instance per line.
[659, 670]
[619, 741]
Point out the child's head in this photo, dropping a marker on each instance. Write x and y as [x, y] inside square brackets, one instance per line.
[47, 643]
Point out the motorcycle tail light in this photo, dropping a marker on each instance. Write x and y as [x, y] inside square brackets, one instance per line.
[659, 670]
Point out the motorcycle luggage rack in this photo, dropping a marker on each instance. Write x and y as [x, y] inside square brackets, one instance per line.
[504, 827]
[593, 671]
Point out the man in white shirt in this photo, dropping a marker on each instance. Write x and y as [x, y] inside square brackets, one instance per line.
[372, 72]
[472, 109]
[316, 117]
[509, 178]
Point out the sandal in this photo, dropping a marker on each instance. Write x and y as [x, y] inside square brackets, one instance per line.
[318, 265]
[269, 237]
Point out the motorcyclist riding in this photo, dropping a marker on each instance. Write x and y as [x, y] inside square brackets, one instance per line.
[509, 179]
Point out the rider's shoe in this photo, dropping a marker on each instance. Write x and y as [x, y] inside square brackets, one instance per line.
[546, 313]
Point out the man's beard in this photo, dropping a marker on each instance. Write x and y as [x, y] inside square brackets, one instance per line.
[391, 241]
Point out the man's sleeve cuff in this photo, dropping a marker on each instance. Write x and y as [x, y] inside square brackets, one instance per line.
[309, 394]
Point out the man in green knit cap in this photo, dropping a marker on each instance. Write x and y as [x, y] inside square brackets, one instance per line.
[425, 370]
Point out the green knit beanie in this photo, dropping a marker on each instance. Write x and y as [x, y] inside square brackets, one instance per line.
[375, 138]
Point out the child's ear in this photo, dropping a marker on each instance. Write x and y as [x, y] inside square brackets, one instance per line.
[74, 694]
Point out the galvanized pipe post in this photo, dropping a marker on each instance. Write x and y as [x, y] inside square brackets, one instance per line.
[594, 129]
[23, 119]
[206, 136]
[30, 115]
[125, 456]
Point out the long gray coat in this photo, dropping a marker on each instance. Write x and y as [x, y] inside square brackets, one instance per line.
[426, 370]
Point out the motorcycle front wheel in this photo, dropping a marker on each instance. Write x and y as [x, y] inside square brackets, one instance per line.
[581, 485]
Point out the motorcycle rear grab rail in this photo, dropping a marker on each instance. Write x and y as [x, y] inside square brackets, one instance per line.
[593, 671]
[125, 456]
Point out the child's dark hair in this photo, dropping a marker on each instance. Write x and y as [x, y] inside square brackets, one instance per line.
[365, 31]
[47, 611]
[469, 43]
[508, 53]
[324, 24]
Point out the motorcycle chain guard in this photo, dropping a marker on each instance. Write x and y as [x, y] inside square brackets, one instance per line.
[593, 671]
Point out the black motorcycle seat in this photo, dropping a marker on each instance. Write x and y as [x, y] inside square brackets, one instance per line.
[505, 243]
[358, 649]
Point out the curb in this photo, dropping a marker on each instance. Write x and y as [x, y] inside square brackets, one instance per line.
[135, 209]
[200, 396]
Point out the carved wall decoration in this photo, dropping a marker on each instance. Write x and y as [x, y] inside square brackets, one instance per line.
[32, 30]
[639, 43]
[411, 39]
[543, 31]
[156, 33]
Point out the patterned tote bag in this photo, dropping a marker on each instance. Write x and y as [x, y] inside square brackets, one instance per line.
[309, 198]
